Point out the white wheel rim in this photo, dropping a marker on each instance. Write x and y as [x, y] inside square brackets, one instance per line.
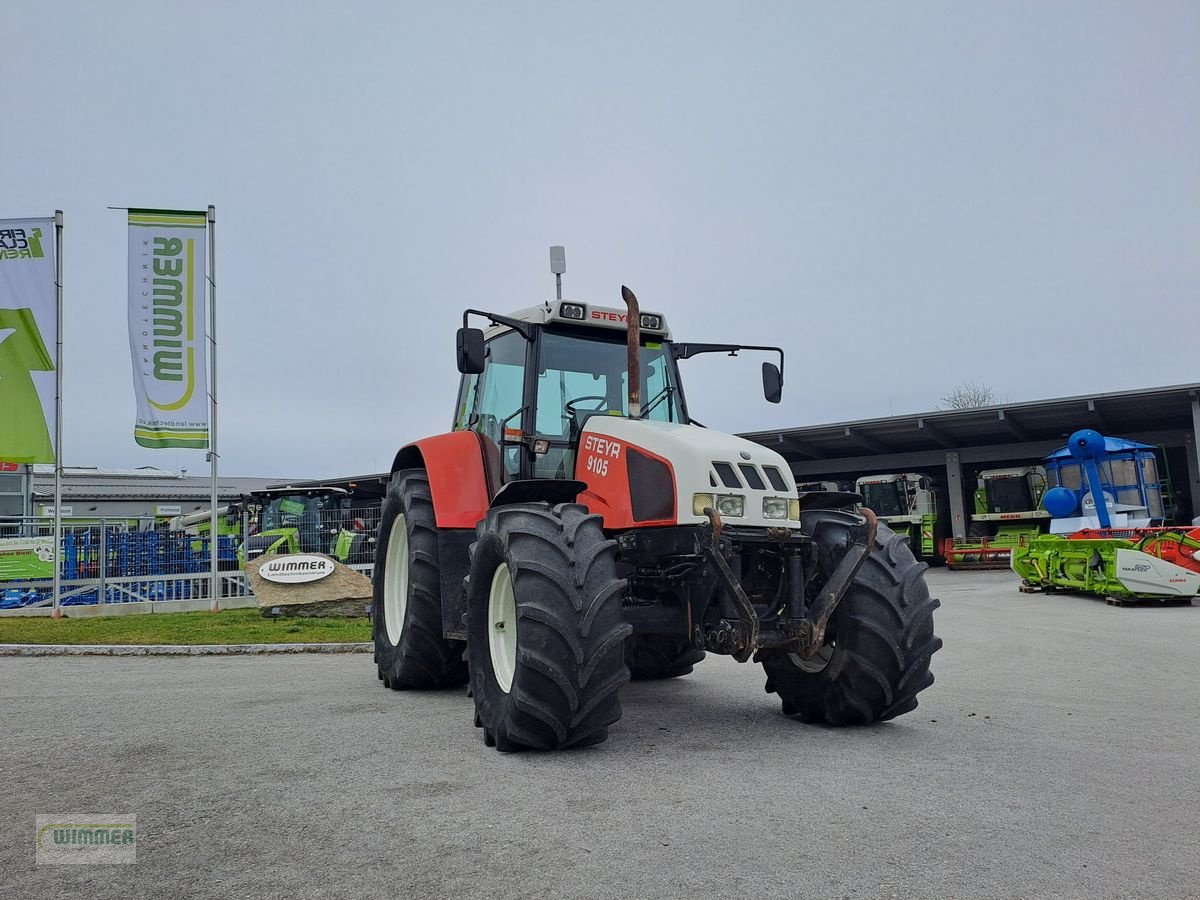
[395, 580]
[502, 627]
[815, 663]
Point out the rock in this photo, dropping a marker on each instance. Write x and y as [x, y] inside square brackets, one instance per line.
[344, 592]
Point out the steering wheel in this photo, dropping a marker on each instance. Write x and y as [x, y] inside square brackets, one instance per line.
[574, 416]
[569, 406]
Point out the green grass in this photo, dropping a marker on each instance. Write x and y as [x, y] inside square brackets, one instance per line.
[233, 626]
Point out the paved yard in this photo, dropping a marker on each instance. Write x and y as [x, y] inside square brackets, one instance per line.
[1055, 756]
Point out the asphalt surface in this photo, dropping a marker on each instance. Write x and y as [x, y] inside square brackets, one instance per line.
[1055, 756]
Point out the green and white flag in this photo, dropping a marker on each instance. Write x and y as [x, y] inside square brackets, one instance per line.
[166, 327]
[28, 336]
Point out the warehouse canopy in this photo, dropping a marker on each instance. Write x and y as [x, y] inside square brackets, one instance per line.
[1131, 413]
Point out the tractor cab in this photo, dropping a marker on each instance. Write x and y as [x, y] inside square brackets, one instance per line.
[896, 496]
[1008, 492]
[556, 393]
[543, 378]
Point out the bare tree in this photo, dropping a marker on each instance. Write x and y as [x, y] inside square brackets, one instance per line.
[968, 395]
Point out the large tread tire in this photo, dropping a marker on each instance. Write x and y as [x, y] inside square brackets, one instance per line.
[569, 660]
[653, 657]
[419, 657]
[882, 641]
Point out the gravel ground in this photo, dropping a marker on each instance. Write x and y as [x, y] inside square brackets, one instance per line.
[1055, 756]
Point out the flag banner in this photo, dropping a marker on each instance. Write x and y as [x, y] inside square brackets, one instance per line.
[166, 327]
[28, 336]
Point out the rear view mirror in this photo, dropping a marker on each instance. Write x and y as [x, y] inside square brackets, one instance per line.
[772, 382]
[470, 351]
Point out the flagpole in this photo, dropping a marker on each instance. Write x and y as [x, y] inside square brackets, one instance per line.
[58, 382]
[214, 582]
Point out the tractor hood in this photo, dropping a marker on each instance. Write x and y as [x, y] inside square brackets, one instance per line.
[659, 467]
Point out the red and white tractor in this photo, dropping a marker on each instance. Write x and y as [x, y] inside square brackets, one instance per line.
[576, 527]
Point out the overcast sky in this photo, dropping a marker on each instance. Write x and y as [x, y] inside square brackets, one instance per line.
[904, 195]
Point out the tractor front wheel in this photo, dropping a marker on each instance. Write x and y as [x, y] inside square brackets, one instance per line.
[545, 633]
[406, 610]
[878, 645]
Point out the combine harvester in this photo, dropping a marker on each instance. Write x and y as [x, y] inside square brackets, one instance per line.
[1106, 533]
[1008, 513]
[907, 502]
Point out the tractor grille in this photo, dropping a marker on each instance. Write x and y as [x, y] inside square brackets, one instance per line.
[751, 476]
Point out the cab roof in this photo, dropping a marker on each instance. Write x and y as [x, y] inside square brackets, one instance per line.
[578, 313]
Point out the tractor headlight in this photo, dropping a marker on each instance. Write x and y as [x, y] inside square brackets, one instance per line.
[775, 507]
[732, 505]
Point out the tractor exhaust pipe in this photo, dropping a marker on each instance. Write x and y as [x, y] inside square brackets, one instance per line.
[634, 343]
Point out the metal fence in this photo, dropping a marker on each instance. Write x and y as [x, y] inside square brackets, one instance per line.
[111, 561]
[106, 561]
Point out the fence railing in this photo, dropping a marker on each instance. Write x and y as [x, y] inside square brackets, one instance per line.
[140, 560]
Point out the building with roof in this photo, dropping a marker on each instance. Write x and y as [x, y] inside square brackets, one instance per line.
[90, 492]
[952, 443]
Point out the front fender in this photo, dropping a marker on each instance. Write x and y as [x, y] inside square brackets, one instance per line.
[454, 463]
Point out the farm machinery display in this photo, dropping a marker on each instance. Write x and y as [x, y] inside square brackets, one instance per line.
[1007, 513]
[1106, 534]
[907, 502]
[576, 529]
[305, 520]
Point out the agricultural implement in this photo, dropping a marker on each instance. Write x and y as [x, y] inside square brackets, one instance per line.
[1107, 536]
[576, 529]
[305, 520]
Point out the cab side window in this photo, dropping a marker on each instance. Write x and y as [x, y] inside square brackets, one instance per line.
[501, 390]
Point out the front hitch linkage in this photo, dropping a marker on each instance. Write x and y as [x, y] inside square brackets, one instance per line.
[809, 632]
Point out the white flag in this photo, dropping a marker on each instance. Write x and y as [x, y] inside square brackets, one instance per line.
[28, 335]
[166, 327]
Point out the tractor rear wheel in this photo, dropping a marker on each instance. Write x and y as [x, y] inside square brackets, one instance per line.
[652, 657]
[545, 632]
[878, 645]
[406, 610]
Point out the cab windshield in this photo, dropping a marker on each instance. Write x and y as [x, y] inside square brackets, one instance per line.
[1008, 495]
[578, 376]
[883, 499]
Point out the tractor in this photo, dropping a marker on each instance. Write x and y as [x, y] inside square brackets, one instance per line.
[576, 528]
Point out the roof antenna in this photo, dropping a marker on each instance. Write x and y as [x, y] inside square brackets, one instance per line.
[558, 265]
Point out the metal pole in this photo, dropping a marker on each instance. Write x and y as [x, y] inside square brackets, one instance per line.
[214, 582]
[954, 487]
[103, 558]
[58, 382]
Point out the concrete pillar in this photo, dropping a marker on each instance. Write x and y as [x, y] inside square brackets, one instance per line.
[1192, 447]
[954, 487]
